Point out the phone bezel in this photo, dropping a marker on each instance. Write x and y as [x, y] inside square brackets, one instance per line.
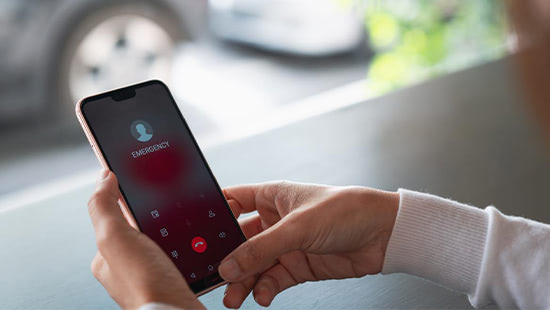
[203, 285]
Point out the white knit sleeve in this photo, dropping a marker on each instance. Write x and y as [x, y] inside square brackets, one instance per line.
[491, 257]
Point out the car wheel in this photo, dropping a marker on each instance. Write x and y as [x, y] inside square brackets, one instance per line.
[113, 45]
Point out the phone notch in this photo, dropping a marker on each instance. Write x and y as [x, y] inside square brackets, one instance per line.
[124, 94]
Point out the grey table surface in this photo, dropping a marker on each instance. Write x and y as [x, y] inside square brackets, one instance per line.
[467, 136]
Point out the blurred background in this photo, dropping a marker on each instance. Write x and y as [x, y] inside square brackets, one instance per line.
[236, 67]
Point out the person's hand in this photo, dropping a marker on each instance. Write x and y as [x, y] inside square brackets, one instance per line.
[131, 267]
[305, 233]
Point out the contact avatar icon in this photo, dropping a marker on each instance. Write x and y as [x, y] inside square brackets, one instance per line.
[141, 131]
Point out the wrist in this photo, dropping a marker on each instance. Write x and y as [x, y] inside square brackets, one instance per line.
[383, 205]
[387, 205]
[377, 211]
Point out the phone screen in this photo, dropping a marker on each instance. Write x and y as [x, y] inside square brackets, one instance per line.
[164, 178]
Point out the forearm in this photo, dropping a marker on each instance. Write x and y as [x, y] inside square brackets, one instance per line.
[491, 257]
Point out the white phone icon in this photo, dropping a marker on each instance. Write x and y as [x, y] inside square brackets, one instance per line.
[199, 243]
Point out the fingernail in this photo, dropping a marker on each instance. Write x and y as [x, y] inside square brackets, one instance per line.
[103, 174]
[230, 270]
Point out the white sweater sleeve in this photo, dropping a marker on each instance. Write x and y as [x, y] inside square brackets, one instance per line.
[489, 256]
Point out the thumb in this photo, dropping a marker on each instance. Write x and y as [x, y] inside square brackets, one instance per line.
[260, 252]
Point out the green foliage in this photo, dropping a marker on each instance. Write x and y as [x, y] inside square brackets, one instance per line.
[418, 39]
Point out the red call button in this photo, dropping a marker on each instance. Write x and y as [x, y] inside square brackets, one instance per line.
[198, 244]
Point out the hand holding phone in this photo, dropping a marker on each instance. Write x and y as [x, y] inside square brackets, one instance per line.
[168, 192]
[132, 268]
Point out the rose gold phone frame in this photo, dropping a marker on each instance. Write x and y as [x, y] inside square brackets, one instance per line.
[121, 201]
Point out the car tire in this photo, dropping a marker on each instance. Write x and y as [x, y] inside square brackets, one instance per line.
[85, 20]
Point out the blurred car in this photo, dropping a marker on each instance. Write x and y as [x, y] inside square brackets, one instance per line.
[305, 27]
[53, 52]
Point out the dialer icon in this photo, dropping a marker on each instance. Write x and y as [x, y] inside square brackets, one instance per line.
[155, 214]
[174, 254]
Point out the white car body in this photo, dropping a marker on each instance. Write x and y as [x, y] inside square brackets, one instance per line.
[305, 27]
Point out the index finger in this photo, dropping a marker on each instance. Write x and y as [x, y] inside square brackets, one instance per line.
[241, 198]
[266, 198]
[252, 197]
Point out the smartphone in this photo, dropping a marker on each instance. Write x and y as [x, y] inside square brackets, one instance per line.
[168, 191]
